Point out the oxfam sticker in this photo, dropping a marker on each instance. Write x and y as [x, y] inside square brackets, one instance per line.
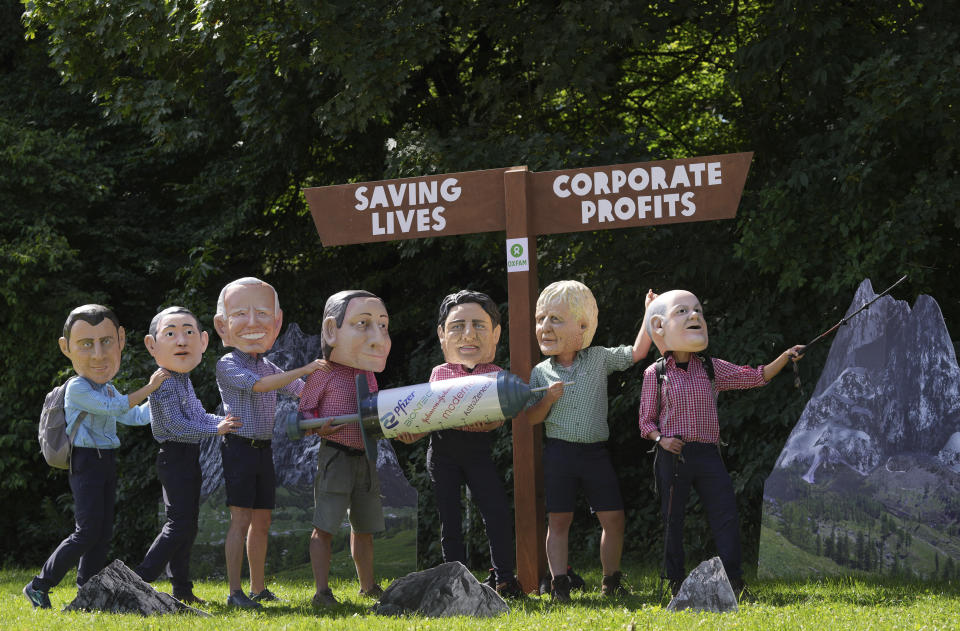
[517, 255]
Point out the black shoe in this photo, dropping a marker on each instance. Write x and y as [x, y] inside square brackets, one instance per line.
[189, 598]
[242, 601]
[576, 581]
[491, 579]
[560, 588]
[743, 594]
[265, 596]
[612, 586]
[545, 585]
[510, 589]
[37, 597]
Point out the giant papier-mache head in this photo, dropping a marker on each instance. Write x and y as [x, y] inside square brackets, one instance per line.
[248, 315]
[675, 322]
[565, 318]
[92, 340]
[355, 330]
[469, 328]
[176, 340]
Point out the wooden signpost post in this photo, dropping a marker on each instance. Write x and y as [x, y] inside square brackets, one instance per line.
[526, 204]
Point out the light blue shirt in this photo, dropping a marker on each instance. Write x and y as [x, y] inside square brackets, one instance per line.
[104, 407]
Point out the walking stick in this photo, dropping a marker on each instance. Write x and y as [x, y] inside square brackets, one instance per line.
[666, 522]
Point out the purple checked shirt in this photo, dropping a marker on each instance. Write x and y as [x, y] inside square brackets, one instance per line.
[178, 415]
[237, 372]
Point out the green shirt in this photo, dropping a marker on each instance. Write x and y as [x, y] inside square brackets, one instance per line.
[580, 415]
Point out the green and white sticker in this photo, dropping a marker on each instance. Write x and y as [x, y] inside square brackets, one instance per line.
[517, 255]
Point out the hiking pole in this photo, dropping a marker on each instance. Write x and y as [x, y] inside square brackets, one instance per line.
[866, 305]
[666, 522]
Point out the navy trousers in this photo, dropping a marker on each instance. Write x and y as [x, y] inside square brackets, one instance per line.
[178, 465]
[458, 458]
[701, 468]
[93, 482]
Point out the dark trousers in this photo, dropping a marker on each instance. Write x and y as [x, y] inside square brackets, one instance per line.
[702, 468]
[449, 468]
[93, 482]
[178, 465]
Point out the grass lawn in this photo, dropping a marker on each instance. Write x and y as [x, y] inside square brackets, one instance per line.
[816, 605]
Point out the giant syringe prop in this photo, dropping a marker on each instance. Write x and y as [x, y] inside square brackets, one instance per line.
[427, 407]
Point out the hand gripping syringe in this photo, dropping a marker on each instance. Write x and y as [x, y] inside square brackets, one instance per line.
[426, 407]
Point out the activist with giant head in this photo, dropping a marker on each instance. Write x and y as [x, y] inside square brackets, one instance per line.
[248, 319]
[93, 341]
[575, 455]
[356, 343]
[687, 431]
[468, 327]
[177, 342]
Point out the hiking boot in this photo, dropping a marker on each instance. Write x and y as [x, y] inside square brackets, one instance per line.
[560, 588]
[265, 596]
[374, 592]
[510, 589]
[545, 585]
[324, 599]
[743, 594]
[576, 581]
[189, 598]
[37, 597]
[675, 585]
[242, 601]
[611, 586]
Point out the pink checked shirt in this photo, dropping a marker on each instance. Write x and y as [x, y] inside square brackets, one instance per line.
[452, 371]
[335, 393]
[687, 406]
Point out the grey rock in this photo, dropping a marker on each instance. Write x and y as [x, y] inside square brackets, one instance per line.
[448, 589]
[706, 589]
[118, 589]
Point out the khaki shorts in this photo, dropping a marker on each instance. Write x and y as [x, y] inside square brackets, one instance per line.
[346, 485]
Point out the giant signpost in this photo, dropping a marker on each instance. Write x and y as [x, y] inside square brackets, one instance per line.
[526, 204]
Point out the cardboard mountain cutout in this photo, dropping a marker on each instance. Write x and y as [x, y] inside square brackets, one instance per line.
[869, 480]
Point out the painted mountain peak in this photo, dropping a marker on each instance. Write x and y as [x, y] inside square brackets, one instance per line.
[871, 469]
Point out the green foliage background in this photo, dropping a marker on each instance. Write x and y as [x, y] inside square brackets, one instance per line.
[151, 151]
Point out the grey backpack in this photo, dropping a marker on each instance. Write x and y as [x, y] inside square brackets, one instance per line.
[55, 444]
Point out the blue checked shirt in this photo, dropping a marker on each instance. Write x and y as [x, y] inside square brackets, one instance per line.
[104, 407]
[237, 372]
[178, 415]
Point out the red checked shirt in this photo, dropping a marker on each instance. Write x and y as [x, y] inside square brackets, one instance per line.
[334, 393]
[452, 371]
[688, 407]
